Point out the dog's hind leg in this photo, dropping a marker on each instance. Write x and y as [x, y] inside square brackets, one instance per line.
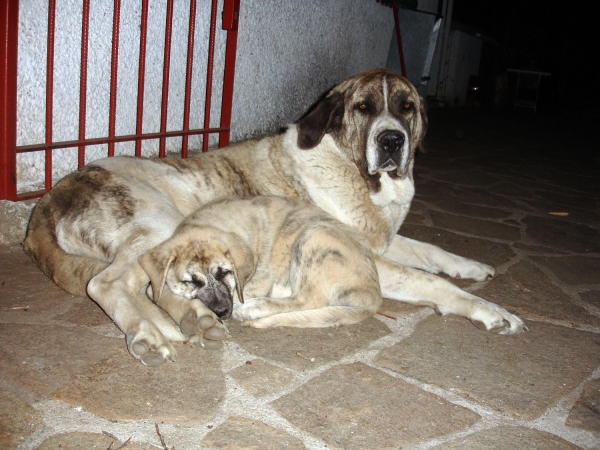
[118, 290]
[328, 316]
[421, 288]
[340, 307]
[199, 324]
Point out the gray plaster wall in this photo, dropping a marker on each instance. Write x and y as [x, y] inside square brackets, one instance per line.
[289, 53]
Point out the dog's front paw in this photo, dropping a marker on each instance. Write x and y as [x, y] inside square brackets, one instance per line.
[204, 330]
[149, 346]
[247, 311]
[474, 270]
[496, 319]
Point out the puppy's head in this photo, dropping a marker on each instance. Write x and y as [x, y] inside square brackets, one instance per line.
[199, 264]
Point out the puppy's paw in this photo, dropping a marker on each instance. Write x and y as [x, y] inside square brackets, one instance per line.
[247, 311]
[149, 346]
[204, 329]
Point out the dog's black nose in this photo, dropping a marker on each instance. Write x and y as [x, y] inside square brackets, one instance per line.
[391, 141]
[223, 312]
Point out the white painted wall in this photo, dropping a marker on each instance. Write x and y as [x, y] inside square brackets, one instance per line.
[289, 53]
[463, 61]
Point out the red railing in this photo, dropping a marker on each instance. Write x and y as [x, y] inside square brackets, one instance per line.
[9, 14]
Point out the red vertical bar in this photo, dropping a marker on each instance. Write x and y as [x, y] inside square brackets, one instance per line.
[399, 38]
[113, 76]
[85, 27]
[188, 78]
[209, 73]
[166, 68]
[50, 89]
[141, 78]
[9, 40]
[231, 12]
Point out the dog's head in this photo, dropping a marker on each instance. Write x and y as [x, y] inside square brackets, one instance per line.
[377, 117]
[200, 263]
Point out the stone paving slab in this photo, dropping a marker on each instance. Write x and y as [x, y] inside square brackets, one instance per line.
[353, 406]
[586, 411]
[85, 441]
[405, 378]
[521, 375]
[238, 433]
[509, 438]
[529, 292]
[18, 419]
[118, 389]
[562, 234]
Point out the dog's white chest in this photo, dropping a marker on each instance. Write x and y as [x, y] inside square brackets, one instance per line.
[399, 191]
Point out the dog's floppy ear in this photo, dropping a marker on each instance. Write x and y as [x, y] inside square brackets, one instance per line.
[239, 284]
[244, 265]
[421, 127]
[156, 264]
[322, 118]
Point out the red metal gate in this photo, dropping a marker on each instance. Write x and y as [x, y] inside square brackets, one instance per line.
[9, 13]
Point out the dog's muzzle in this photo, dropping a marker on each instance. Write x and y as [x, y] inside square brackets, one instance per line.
[217, 298]
[390, 145]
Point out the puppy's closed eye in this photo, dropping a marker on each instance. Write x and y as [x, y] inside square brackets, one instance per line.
[222, 272]
[196, 281]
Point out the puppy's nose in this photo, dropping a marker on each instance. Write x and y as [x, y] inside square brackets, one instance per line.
[391, 141]
[224, 312]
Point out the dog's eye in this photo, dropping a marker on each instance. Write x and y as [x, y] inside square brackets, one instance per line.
[196, 282]
[362, 106]
[222, 273]
[407, 106]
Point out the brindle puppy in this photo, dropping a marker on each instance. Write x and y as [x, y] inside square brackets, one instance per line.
[293, 263]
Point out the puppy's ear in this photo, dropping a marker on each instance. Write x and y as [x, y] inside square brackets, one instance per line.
[239, 284]
[156, 264]
[422, 122]
[322, 118]
[244, 265]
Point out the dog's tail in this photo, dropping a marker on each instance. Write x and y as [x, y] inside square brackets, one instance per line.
[328, 316]
[70, 272]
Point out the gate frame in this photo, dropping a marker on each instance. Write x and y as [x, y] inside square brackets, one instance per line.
[9, 34]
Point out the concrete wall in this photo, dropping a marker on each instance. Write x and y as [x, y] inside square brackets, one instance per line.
[289, 53]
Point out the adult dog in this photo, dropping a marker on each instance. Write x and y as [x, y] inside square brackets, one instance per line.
[352, 156]
[296, 265]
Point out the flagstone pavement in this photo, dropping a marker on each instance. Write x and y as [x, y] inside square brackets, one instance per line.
[516, 191]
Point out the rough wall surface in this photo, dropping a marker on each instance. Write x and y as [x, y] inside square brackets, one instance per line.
[289, 52]
[14, 217]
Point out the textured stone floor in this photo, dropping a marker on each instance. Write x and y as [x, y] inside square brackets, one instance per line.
[517, 192]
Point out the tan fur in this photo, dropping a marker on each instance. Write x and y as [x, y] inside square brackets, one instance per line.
[325, 268]
[88, 232]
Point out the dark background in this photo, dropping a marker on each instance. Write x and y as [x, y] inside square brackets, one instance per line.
[556, 37]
